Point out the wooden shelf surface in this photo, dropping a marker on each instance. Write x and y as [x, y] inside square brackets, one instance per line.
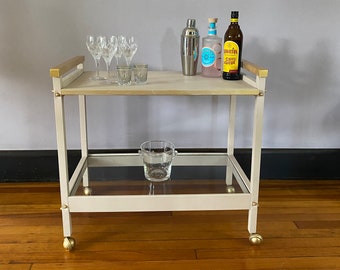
[161, 83]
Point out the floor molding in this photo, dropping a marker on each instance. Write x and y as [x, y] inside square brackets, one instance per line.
[299, 164]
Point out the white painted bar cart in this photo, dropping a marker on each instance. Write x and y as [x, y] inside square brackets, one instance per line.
[70, 79]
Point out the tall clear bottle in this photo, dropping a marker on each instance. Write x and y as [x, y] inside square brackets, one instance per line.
[211, 51]
[232, 49]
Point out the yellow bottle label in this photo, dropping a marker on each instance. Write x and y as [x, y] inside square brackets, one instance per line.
[230, 56]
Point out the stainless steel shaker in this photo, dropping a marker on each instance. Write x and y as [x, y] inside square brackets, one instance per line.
[190, 48]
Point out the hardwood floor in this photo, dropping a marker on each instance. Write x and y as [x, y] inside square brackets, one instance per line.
[299, 220]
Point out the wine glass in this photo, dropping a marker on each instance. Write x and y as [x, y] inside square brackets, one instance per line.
[129, 50]
[95, 47]
[108, 51]
[119, 53]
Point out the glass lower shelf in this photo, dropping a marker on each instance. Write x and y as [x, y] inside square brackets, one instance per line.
[184, 180]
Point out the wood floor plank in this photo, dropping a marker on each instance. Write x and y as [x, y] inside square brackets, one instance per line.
[303, 263]
[267, 253]
[318, 224]
[15, 266]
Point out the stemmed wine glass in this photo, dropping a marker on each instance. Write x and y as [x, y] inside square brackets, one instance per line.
[108, 51]
[95, 46]
[119, 52]
[129, 49]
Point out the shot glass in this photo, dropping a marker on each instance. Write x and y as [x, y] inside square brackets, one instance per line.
[124, 74]
[140, 73]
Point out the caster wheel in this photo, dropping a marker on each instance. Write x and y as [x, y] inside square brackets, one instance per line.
[230, 189]
[87, 191]
[69, 243]
[255, 239]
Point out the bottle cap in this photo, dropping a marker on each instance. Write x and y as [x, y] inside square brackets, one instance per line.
[234, 14]
[212, 20]
[212, 26]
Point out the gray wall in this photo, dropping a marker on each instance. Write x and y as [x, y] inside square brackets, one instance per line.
[298, 41]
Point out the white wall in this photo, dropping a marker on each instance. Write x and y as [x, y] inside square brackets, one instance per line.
[298, 41]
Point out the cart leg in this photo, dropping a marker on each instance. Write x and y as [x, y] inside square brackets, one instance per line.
[84, 141]
[231, 141]
[255, 169]
[63, 164]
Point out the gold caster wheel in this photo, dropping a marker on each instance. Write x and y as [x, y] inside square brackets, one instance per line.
[230, 189]
[69, 243]
[87, 191]
[255, 239]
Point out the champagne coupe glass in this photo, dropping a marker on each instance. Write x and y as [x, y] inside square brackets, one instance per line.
[95, 45]
[129, 50]
[109, 50]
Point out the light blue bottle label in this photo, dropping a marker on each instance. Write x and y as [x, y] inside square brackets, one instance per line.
[208, 56]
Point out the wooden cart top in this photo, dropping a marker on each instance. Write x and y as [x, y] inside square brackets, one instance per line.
[159, 83]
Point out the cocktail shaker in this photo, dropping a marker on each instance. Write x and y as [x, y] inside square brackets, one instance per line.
[190, 48]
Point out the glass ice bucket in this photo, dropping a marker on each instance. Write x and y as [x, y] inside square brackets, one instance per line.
[157, 159]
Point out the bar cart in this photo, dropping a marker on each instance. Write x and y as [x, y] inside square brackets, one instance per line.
[70, 79]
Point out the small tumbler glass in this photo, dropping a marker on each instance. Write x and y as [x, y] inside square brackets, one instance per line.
[157, 159]
[124, 75]
[140, 73]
